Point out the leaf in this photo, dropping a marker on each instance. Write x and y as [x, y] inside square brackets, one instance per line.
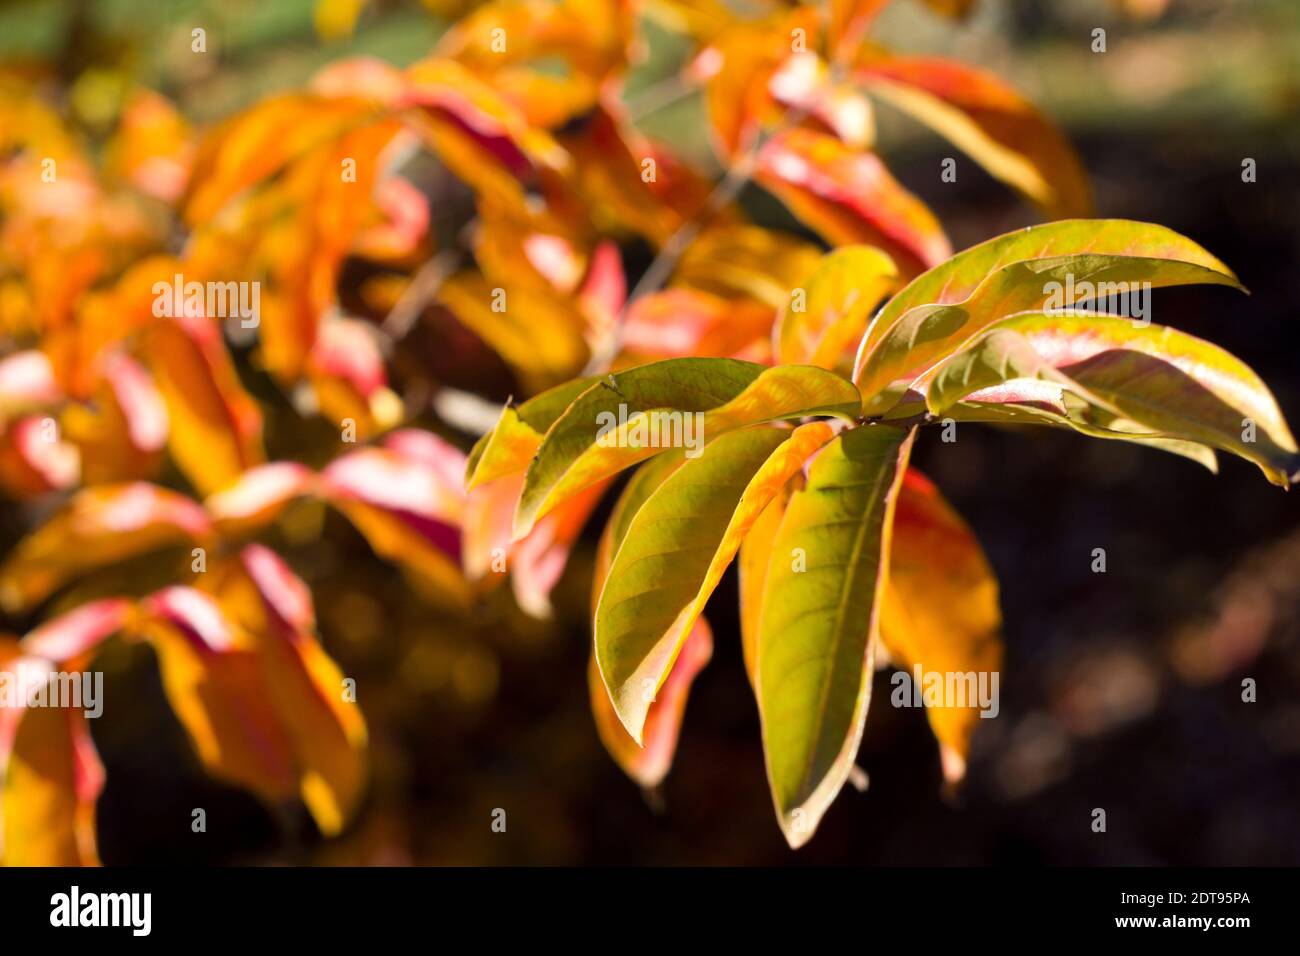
[510, 446]
[212, 679]
[940, 608]
[50, 774]
[819, 624]
[257, 143]
[27, 384]
[992, 123]
[98, 527]
[1176, 385]
[685, 322]
[1051, 405]
[471, 123]
[258, 496]
[538, 333]
[406, 499]
[998, 357]
[848, 196]
[326, 732]
[123, 437]
[849, 21]
[348, 377]
[736, 70]
[535, 562]
[751, 571]
[153, 146]
[648, 763]
[676, 549]
[216, 427]
[739, 259]
[838, 298]
[576, 453]
[260, 700]
[1013, 273]
[609, 162]
[35, 458]
[72, 638]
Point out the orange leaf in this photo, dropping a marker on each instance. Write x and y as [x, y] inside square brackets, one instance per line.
[98, 526]
[995, 125]
[940, 610]
[848, 196]
[406, 499]
[216, 427]
[50, 775]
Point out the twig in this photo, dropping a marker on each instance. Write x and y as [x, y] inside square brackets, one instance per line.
[424, 285]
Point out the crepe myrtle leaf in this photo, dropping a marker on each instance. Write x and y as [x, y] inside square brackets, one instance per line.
[940, 609]
[1175, 384]
[36, 458]
[537, 331]
[820, 621]
[254, 145]
[98, 526]
[257, 695]
[1018, 272]
[730, 394]
[212, 679]
[741, 260]
[676, 549]
[349, 381]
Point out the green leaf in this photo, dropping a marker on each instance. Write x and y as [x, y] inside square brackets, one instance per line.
[675, 551]
[581, 448]
[821, 606]
[1174, 384]
[942, 309]
[1000, 406]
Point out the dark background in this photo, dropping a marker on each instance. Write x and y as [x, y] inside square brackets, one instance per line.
[1121, 690]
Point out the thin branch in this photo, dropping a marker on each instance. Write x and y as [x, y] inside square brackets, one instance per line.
[424, 285]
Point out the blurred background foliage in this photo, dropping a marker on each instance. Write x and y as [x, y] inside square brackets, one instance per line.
[1121, 690]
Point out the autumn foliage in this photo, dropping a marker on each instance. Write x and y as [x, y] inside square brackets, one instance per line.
[414, 233]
